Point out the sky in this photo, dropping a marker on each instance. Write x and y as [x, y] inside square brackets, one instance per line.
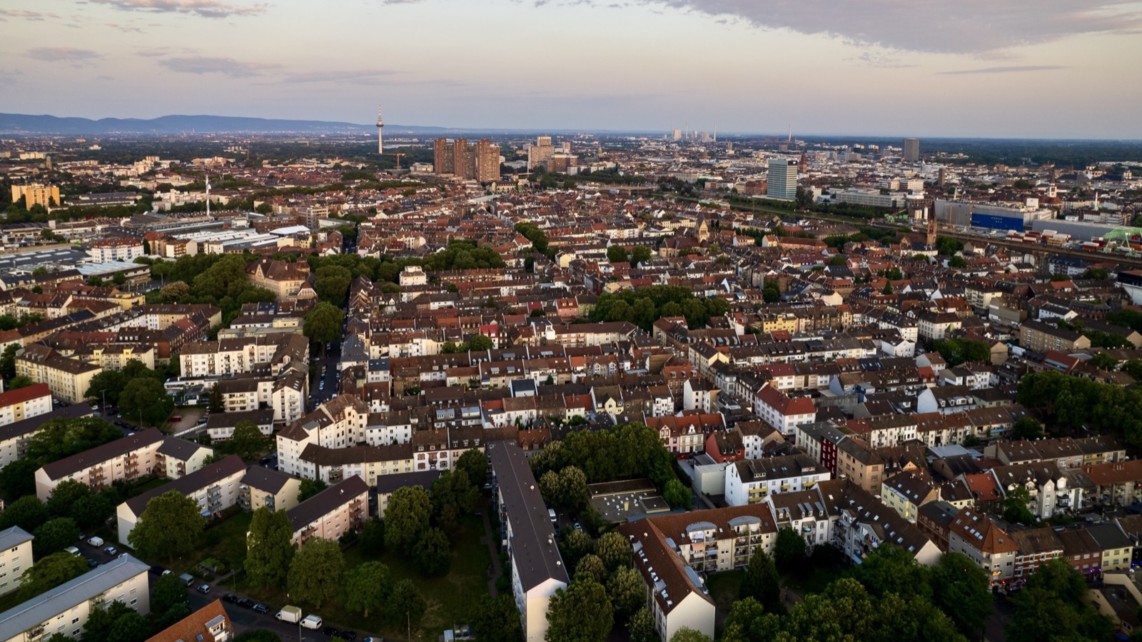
[987, 68]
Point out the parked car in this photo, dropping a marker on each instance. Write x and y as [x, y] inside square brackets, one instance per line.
[111, 550]
[231, 598]
[95, 541]
[261, 608]
[203, 588]
[245, 602]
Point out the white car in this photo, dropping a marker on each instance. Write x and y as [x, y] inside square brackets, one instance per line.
[311, 622]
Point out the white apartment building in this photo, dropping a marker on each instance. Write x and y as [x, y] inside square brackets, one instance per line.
[331, 513]
[215, 487]
[15, 557]
[751, 481]
[128, 458]
[25, 403]
[65, 608]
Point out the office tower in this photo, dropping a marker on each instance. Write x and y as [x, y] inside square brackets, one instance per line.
[677, 135]
[487, 161]
[442, 162]
[380, 132]
[911, 150]
[539, 153]
[782, 179]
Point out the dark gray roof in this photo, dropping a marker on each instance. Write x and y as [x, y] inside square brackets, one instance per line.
[13, 537]
[1109, 536]
[533, 548]
[200, 478]
[177, 448]
[264, 479]
[99, 454]
[30, 425]
[326, 501]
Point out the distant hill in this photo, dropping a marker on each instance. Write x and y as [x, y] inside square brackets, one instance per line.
[166, 125]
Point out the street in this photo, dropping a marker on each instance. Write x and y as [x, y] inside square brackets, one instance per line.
[324, 385]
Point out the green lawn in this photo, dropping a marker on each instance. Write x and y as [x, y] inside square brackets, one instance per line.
[450, 598]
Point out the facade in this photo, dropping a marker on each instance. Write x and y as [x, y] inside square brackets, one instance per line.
[977, 536]
[25, 403]
[262, 487]
[15, 557]
[46, 196]
[537, 569]
[65, 608]
[911, 150]
[67, 378]
[753, 480]
[214, 488]
[863, 523]
[783, 412]
[127, 459]
[1044, 337]
[331, 513]
[782, 179]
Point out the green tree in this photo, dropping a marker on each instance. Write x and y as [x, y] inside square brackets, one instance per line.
[54, 535]
[20, 381]
[479, 342]
[747, 620]
[168, 593]
[475, 464]
[94, 509]
[1051, 607]
[323, 323]
[614, 550]
[367, 587]
[407, 517]
[170, 527]
[8, 360]
[216, 403]
[49, 572]
[686, 634]
[495, 619]
[1027, 428]
[641, 626]
[18, 479]
[60, 637]
[145, 399]
[960, 589]
[617, 254]
[248, 442]
[372, 537]
[332, 284]
[627, 592]
[406, 605]
[576, 546]
[102, 619]
[269, 550]
[1015, 506]
[309, 488]
[566, 621]
[64, 496]
[592, 567]
[789, 550]
[640, 254]
[677, 494]
[316, 571]
[28, 512]
[889, 567]
[957, 262]
[60, 438]
[433, 553]
[762, 582]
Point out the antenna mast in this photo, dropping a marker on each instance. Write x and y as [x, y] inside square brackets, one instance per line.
[208, 194]
[380, 132]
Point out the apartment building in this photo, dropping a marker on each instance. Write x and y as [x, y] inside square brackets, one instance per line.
[908, 490]
[15, 557]
[751, 481]
[536, 568]
[863, 523]
[67, 378]
[263, 487]
[15, 436]
[783, 412]
[976, 535]
[331, 513]
[65, 609]
[124, 459]
[1043, 337]
[25, 403]
[214, 487]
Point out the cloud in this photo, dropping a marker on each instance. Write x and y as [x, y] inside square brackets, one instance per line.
[201, 8]
[22, 14]
[1002, 70]
[61, 54]
[337, 75]
[210, 65]
[881, 60]
[931, 26]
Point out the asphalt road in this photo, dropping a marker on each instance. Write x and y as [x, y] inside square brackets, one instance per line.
[324, 385]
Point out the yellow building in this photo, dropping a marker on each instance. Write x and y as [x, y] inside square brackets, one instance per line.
[36, 194]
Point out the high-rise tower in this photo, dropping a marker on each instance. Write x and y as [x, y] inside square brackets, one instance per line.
[380, 132]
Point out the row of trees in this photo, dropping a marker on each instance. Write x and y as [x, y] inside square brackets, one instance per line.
[625, 451]
[1073, 403]
[56, 524]
[604, 584]
[57, 439]
[957, 351]
[646, 305]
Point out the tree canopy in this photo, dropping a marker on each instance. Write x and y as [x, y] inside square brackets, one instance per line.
[322, 324]
[316, 572]
[567, 613]
[268, 548]
[170, 527]
[646, 305]
[1069, 404]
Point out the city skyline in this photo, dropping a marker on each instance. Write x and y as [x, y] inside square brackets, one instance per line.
[821, 67]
